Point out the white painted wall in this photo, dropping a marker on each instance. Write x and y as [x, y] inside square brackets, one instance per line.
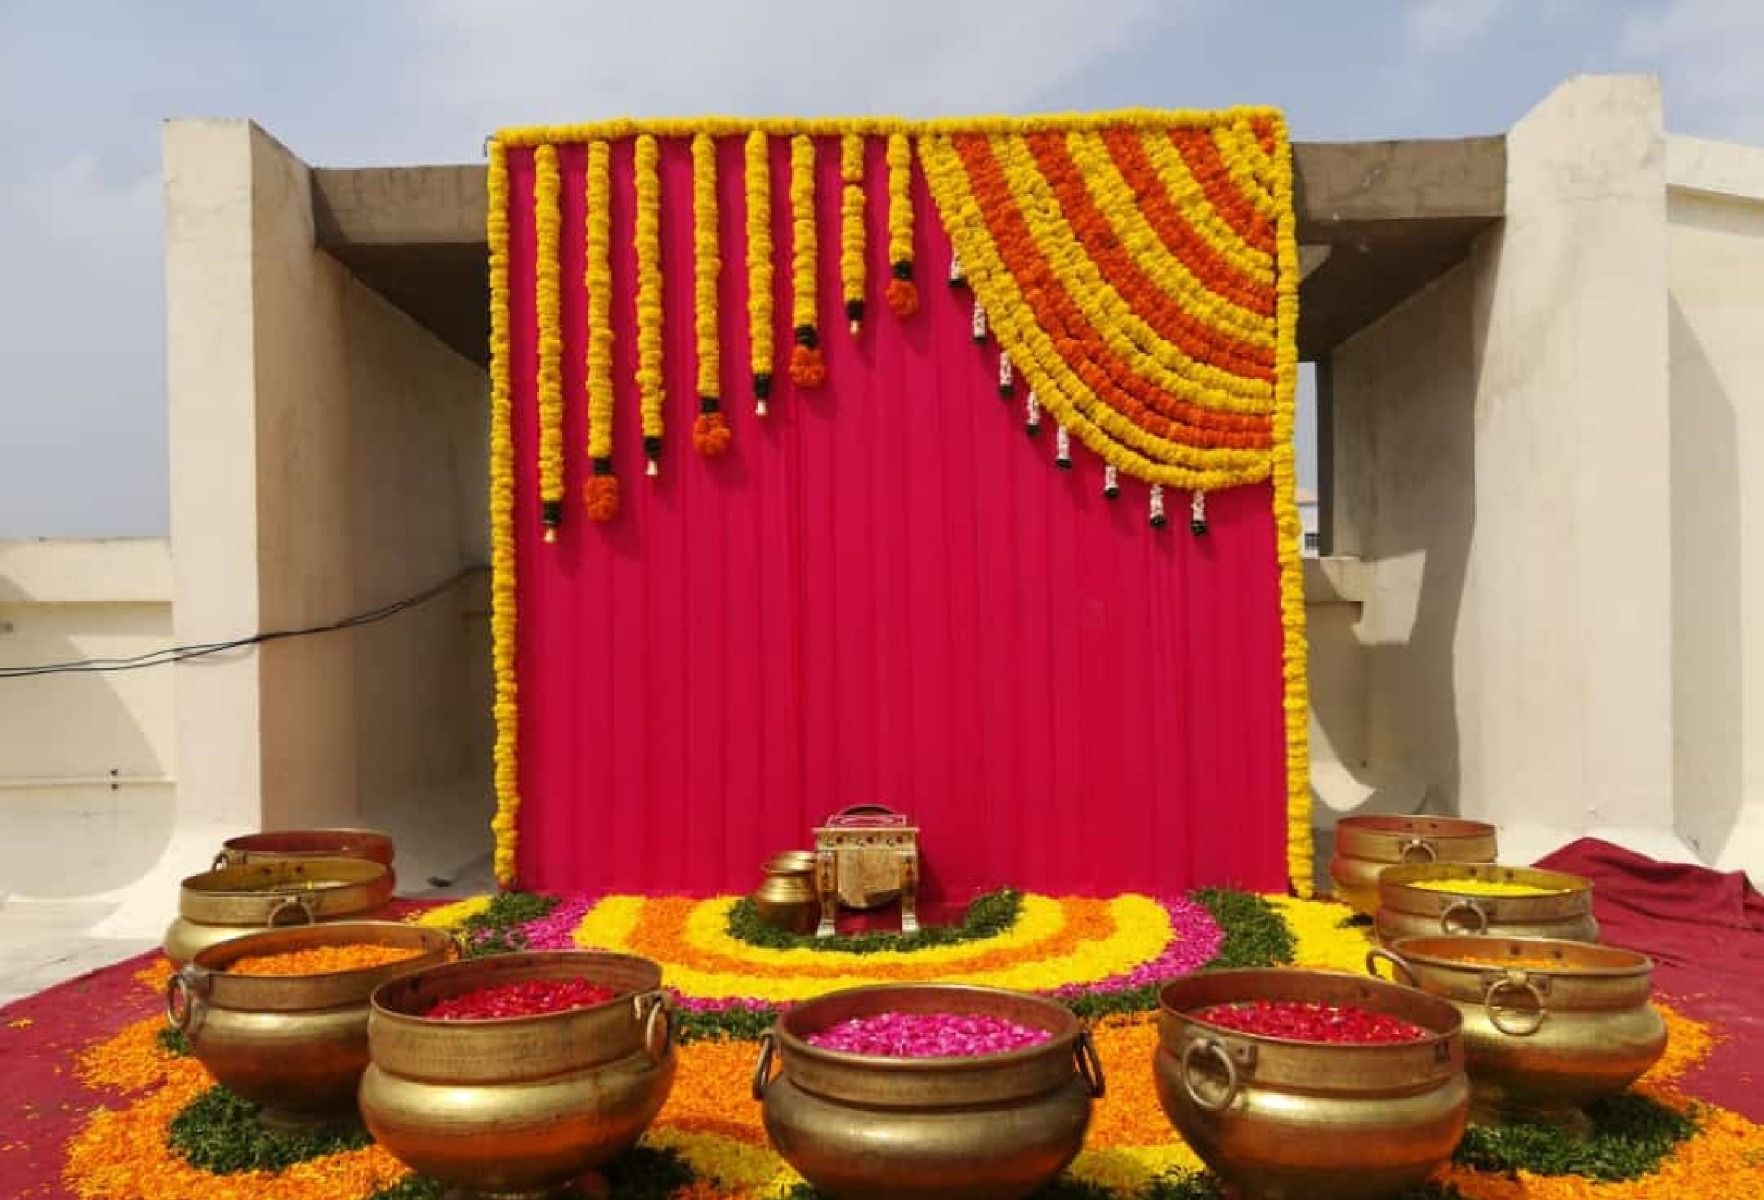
[1715, 210]
[88, 761]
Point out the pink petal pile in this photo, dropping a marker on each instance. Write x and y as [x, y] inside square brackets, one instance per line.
[927, 1035]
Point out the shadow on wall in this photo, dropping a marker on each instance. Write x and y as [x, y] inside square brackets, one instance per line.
[1708, 687]
[1402, 411]
[87, 803]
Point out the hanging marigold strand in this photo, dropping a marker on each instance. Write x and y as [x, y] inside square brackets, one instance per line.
[759, 266]
[710, 430]
[903, 293]
[602, 490]
[548, 222]
[807, 368]
[503, 601]
[650, 384]
[851, 228]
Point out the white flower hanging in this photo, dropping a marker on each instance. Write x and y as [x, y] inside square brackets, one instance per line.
[1006, 376]
[1157, 505]
[1062, 449]
[1111, 482]
[979, 321]
[1032, 413]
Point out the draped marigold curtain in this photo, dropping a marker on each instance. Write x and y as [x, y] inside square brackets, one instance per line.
[883, 591]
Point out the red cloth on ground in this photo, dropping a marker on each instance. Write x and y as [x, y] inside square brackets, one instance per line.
[1704, 930]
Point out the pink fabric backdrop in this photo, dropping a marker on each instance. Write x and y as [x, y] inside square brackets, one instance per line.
[885, 592]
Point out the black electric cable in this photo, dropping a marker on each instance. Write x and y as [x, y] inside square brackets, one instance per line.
[172, 654]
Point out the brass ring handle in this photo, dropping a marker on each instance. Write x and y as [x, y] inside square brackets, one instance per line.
[456, 944]
[1212, 1049]
[1421, 844]
[1479, 913]
[299, 904]
[184, 992]
[1533, 1019]
[1400, 971]
[1090, 1067]
[658, 1026]
[762, 1070]
[221, 862]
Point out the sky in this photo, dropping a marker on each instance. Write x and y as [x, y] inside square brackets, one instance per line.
[85, 86]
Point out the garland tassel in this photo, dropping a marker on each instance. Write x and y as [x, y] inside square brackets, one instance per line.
[759, 266]
[602, 491]
[903, 293]
[807, 368]
[710, 431]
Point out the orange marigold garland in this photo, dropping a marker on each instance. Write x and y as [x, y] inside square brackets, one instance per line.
[903, 293]
[548, 222]
[710, 431]
[807, 368]
[503, 601]
[759, 266]
[602, 492]
[851, 228]
[651, 387]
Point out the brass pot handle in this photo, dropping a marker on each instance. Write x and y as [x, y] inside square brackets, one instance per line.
[456, 944]
[1533, 1018]
[658, 1026]
[1421, 844]
[1479, 913]
[184, 993]
[1214, 1050]
[221, 862]
[762, 1070]
[299, 904]
[1090, 1067]
[1400, 971]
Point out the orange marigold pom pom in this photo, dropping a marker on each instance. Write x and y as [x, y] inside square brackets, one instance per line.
[710, 434]
[903, 297]
[807, 368]
[603, 497]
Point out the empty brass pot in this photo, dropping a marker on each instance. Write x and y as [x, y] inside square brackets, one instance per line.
[1539, 1041]
[294, 1044]
[1562, 910]
[284, 844]
[787, 897]
[866, 1127]
[1366, 845]
[519, 1105]
[1287, 1120]
[217, 906]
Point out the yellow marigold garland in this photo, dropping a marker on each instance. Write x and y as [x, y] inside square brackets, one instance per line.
[1300, 848]
[651, 387]
[502, 549]
[903, 293]
[602, 493]
[548, 221]
[710, 431]
[807, 368]
[851, 227]
[759, 265]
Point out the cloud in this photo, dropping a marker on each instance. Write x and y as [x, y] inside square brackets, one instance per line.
[82, 335]
[1711, 51]
[530, 61]
[1446, 26]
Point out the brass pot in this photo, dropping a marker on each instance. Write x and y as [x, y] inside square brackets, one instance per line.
[295, 844]
[218, 906]
[296, 1044]
[1287, 1120]
[1405, 910]
[520, 1105]
[1366, 845]
[787, 897]
[1539, 1041]
[866, 1127]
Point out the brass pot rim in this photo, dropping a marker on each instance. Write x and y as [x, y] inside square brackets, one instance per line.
[1565, 895]
[334, 873]
[1414, 948]
[323, 888]
[1399, 824]
[466, 968]
[349, 842]
[207, 969]
[1451, 1018]
[1060, 1039]
[790, 860]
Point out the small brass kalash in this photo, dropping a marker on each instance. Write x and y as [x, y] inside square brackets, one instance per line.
[1549, 1026]
[218, 906]
[1560, 908]
[294, 845]
[294, 1044]
[1287, 1120]
[517, 1106]
[1366, 845]
[868, 1127]
[786, 897]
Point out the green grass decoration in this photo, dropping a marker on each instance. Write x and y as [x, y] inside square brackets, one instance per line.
[173, 1042]
[496, 930]
[1632, 1135]
[218, 1132]
[988, 916]
[411, 1187]
[1256, 935]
